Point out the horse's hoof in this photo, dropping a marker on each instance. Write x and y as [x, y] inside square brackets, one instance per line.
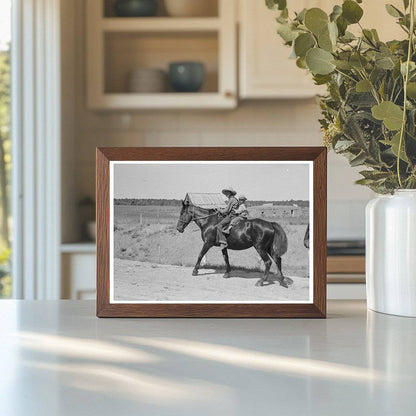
[226, 275]
[284, 284]
[195, 272]
[259, 283]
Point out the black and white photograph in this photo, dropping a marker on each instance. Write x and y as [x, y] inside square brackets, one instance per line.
[211, 232]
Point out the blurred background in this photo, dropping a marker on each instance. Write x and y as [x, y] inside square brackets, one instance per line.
[145, 73]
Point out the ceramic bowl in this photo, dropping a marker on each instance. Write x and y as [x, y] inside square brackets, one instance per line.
[186, 76]
[136, 8]
[147, 80]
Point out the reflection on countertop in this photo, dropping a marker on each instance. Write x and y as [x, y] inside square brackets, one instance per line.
[63, 360]
[346, 247]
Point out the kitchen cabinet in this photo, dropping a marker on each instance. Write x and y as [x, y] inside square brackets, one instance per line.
[265, 70]
[118, 45]
[78, 264]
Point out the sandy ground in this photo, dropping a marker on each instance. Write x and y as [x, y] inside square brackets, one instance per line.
[143, 281]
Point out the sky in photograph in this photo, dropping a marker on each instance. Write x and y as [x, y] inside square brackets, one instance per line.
[4, 23]
[272, 182]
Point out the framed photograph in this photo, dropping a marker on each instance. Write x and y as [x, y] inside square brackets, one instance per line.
[211, 232]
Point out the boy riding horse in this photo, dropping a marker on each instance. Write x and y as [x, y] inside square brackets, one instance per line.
[241, 213]
[229, 213]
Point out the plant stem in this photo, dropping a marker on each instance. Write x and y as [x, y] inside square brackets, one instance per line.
[406, 80]
[345, 75]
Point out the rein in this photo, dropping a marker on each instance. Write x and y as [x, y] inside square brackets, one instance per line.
[193, 218]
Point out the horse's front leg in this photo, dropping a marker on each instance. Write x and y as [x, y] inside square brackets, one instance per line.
[227, 263]
[204, 250]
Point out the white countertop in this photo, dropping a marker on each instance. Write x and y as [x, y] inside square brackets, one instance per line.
[58, 359]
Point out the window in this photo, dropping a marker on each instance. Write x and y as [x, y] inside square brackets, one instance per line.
[5, 145]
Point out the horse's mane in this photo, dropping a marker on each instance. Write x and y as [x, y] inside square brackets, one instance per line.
[208, 210]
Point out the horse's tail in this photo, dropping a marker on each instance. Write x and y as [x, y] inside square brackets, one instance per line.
[279, 244]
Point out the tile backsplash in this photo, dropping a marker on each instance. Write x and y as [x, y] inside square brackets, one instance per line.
[284, 123]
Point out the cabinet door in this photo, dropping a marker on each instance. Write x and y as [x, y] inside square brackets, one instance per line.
[265, 68]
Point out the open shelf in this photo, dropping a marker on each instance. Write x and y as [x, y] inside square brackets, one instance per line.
[116, 46]
[130, 101]
[127, 51]
[160, 24]
[108, 9]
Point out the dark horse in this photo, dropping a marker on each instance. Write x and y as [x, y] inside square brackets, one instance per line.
[268, 238]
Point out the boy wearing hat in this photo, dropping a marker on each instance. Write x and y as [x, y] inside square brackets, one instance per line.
[229, 214]
[241, 213]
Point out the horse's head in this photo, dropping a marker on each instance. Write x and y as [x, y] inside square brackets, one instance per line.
[185, 217]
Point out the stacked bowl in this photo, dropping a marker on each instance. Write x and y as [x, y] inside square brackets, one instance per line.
[147, 80]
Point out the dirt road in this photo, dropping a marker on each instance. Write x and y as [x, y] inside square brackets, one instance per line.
[140, 281]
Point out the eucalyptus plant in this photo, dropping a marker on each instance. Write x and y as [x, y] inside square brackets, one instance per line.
[369, 112]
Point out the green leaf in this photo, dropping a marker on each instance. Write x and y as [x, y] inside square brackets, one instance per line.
[303, 43]
[325, 42]
[336, 12]
[286, 32]
[385, 63]
[276, 4]
[347, 37]
[319, 61]
[283, 17]
[391, 114]
[353, 130]
[351, 11]
[393, 11]
[364, 181]
[343, 145]
[374, 150]
[316, 20]
[342, 25]
[361, 99]
[341, 64]
[321, 79]
[412, 67]
[301, 63]
[363, 86]
[411, 90]
[406, 4]
[382, 88]
[374, 175]
[358, 160]
[358, 61]
[333, 32]
[394, 144]
[300, 17]
[375, 35]
[368, 36]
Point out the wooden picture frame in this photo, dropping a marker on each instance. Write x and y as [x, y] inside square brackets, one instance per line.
[315, 308]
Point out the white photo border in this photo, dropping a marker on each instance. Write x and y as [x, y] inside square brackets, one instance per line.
[213, 162]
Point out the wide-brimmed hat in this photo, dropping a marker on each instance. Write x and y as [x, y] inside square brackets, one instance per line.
[243, 197]
[229, 189]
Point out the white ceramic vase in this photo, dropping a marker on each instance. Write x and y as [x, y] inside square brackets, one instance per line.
[391, 253]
